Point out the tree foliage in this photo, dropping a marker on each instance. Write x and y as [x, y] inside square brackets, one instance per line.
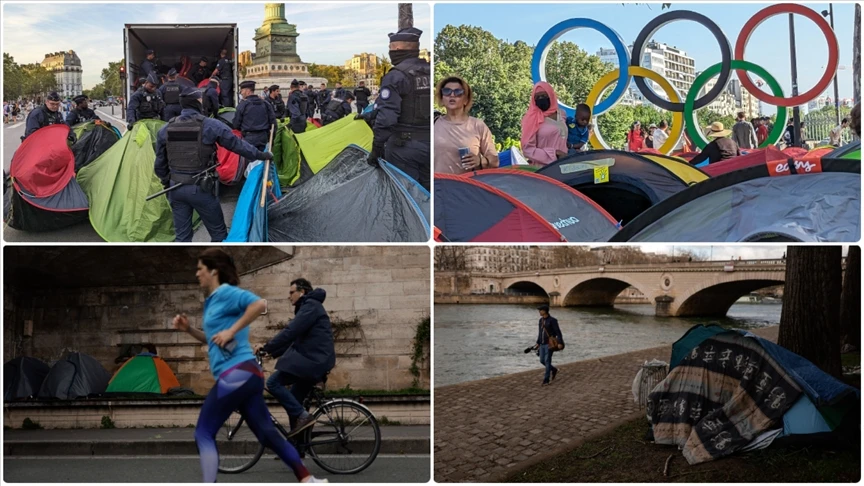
[381, 69]
[333, 74]
[573, 72]
[112, 85]
[27, 80]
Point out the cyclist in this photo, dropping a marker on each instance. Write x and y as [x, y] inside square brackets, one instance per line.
[228, 311]
[307, 352]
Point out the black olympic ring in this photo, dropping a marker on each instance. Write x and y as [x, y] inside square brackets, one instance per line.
[725, 62]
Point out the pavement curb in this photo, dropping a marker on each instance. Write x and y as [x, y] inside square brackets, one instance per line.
[31, 448]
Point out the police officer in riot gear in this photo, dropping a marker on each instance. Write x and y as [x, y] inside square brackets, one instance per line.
[170, 92]
[401, 129]
[254, 117]
[145, 103]
[275, 100]
[47, 114]
[211, 98]
[201, 72]
[339, 91]
[313, 102]
[337, 108]
[304, 99]
[296, 109]
[362, 94]
[225, 70]
[186, 155]
[149, 65]
[81, 113]
[323, 98]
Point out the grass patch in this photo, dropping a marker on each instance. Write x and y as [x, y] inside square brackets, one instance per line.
[383, 420]
[623, 456]
[107, 423]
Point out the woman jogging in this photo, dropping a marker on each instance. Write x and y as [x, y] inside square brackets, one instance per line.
[228, 311]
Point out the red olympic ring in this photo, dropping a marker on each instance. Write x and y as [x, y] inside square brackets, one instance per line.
[833, 54]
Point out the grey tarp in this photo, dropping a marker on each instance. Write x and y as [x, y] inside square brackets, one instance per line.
[570, 212]
[348, 200]
[22, 377]
[76, 375]
[823, 207]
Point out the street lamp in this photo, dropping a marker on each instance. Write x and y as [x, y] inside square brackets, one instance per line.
[830, 15]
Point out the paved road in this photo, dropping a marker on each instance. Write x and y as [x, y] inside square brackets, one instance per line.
[84, 232]
[493, 427]
[187, 469]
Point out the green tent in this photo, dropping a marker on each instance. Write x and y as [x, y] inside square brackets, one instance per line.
[320, 146]
[117, 183]
[143, 373]
[286, 153]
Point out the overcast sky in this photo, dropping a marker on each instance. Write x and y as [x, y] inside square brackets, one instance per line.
[330, 33]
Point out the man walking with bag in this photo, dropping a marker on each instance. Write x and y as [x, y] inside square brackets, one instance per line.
[549, 340]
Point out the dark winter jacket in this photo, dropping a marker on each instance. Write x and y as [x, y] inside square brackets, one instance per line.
[554, 330]
[306, 344]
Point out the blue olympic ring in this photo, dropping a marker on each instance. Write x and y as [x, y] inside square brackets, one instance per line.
[538, 61]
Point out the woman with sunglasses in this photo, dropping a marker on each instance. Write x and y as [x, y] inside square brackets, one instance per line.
[544, 132]
[462, 143]
[228, 311]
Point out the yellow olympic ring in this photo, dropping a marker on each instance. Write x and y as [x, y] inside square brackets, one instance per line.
[677, 117]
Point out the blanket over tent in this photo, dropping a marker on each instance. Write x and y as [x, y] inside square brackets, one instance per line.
[721, 396]
[117, 184]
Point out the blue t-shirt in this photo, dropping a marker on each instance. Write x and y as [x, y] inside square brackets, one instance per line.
[575, 133]
[221, 310]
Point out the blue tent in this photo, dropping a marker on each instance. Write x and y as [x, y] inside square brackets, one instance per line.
[250, 221]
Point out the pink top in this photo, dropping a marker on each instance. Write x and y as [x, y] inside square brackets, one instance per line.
[551, 137]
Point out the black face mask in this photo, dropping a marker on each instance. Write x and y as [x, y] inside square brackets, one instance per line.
[398, 56]
[542, 103]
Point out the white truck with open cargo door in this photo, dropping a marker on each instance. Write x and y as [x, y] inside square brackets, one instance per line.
[173, 42]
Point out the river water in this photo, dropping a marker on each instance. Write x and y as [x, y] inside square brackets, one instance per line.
[473, 342]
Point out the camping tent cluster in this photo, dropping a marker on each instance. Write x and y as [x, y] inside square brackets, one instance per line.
[107, 178]
[609, 195]
[730, 391]
[81, 376]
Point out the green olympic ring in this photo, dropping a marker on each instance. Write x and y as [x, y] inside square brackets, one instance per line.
[696, 134]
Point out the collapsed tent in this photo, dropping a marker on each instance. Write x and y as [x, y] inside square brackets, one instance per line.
[41, 193]
[226, 115]
[634, 182]
[117, 184]
[143, 373]
[821, 202]
[575, 216]
[730, 391]
[319, 147]
[755, 157]
[349, 200]
[76, 375]
[850, 151]
[93, 139]
[22, 377]
[469, 210]
[286, 154]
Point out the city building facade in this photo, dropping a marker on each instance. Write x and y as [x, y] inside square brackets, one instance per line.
[66, 67]
[362, 67]
[508, 259]
[668, 61]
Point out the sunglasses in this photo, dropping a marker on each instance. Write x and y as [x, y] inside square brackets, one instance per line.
[452, 92]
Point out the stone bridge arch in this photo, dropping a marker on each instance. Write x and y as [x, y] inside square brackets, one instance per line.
[715, 295]
[528, 287]
[596, 291]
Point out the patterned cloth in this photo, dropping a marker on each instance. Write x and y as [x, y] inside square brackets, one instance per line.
[725, 393]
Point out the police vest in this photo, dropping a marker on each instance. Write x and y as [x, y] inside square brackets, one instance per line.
[415, 103]
[334, 106]
[187, 152]
[51, 117]
[149, 105]
[255, 117]
[172, 93]
[278, 106]
[304, 102]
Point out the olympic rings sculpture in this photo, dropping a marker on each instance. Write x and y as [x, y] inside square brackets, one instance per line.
[629, 62]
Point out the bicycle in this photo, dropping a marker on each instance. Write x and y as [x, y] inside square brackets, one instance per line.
[344, 431]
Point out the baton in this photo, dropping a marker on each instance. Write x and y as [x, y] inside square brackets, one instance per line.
[175, 186]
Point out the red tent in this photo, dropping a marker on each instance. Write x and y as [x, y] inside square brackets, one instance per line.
[230, 165]
[753, 158]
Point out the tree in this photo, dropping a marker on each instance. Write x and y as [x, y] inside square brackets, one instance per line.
[809, 321]
[381, 69]
[111, 78]
[573, 72]
[499, 74]
[850, 299]
[333, 74]
[572, 257]
[13, 78]
[614, 124]
[450, 258]
[37, 80]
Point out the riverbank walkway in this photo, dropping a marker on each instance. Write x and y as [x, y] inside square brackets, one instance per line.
[486, 429]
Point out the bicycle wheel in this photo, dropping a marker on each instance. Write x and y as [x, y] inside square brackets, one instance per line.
[239, 449]
[345, 438]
